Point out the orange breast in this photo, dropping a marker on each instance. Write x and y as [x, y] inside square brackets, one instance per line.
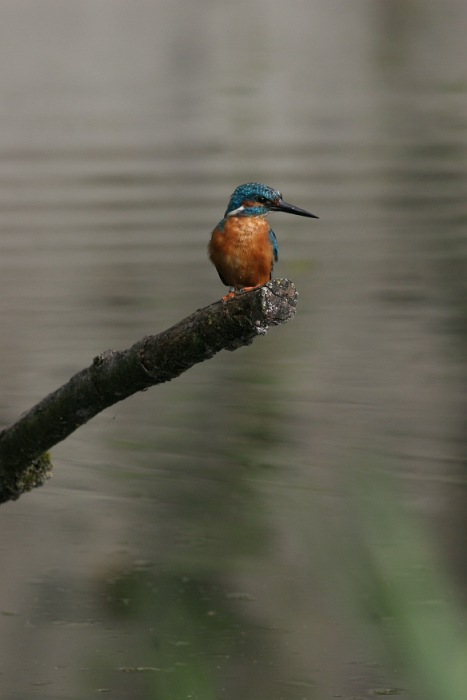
[242, 251]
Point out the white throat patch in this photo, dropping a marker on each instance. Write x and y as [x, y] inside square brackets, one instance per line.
[235, 211]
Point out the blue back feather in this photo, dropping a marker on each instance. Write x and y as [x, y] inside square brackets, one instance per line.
[275, 247]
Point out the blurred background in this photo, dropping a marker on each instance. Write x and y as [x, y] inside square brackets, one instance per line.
[283, 522]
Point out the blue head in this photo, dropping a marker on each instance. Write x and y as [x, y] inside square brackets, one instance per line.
[255, 199]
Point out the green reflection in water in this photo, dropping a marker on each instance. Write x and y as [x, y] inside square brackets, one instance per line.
[403, 589]
[193, 636]
[186, 638]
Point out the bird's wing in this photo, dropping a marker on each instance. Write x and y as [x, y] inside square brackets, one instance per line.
[275, 247]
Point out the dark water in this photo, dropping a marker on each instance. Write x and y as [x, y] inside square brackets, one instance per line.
[287, 521]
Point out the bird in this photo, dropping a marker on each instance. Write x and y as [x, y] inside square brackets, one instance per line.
[243, 247]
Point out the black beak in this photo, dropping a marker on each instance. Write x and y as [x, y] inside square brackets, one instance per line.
[290, 209]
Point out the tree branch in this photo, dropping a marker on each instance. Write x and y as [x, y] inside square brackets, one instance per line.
[115, 375]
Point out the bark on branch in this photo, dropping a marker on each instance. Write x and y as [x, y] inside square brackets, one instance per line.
[115, 375]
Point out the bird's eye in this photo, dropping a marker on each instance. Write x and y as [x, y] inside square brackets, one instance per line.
[261, 199]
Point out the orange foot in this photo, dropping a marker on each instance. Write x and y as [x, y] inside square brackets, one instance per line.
[243, 289]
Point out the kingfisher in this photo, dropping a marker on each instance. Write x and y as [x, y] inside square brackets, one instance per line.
[243, 247]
